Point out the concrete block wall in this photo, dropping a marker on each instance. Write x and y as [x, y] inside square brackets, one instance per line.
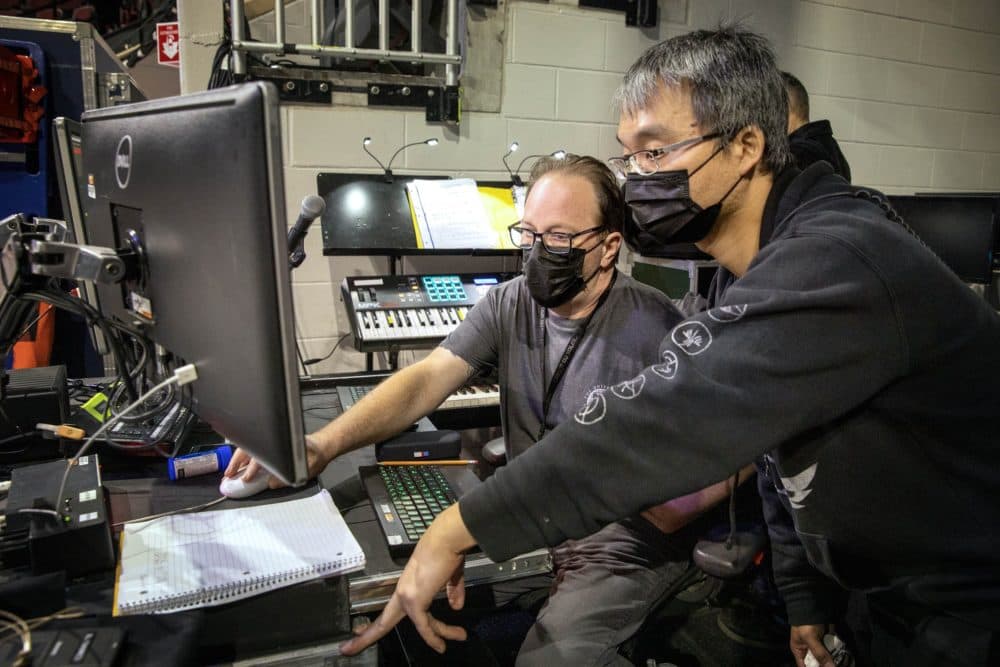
[912, 88]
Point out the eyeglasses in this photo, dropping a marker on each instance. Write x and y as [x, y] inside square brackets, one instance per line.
[558, 243]
[646, 162]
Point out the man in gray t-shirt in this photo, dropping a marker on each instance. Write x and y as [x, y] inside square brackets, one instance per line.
[570, 322]
[505, 331]
[603, 586]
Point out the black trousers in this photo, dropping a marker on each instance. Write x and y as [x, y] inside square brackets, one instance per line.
[903, 634]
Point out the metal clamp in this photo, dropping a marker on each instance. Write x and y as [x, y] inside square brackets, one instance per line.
[77, 262]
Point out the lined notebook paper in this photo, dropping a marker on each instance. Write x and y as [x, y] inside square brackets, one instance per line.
[197, 560]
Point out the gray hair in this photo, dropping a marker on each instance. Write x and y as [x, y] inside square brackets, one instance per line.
[733, 80]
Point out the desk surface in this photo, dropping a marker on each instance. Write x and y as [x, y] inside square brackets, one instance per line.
[139, 487]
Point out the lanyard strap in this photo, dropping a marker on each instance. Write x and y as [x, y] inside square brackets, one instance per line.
[567, 355]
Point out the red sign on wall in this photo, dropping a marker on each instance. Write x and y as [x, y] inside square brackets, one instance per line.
[168, 44]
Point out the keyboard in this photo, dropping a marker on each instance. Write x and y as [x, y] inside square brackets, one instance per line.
[406, 498]
[351, 394]
[400, 312]
[470, 396]
[168, 427]
[473, 396]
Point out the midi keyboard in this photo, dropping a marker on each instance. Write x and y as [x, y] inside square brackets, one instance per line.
[389, 313]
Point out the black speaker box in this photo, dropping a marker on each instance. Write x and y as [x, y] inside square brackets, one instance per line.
[420, 446]
[32, 396]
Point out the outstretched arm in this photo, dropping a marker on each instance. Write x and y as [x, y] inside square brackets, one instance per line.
[388, 409]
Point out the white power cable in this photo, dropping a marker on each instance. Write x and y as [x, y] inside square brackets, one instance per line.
[181, 377]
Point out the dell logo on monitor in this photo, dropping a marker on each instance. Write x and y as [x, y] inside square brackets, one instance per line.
[123, 161]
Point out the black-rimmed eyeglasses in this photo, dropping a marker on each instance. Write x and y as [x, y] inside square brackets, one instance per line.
[646, 162]
[559, 243]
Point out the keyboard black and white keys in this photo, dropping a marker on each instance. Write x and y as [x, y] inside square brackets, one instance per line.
[469, 396]
[411, 311]
[473, 396]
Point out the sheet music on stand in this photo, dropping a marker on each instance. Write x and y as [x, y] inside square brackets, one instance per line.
[520, 193]
[453, 214]
[368, 214]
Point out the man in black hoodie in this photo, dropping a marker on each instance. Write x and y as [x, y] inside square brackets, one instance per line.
[810, 141]
[838, 350]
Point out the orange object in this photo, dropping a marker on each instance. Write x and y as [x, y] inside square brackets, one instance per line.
[34, 352]
[63, 430]
[21, 107]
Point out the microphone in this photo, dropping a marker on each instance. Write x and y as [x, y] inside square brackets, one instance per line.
[312, 207]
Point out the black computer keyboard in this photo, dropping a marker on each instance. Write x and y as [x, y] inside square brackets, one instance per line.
[351, 394]
[406, 499]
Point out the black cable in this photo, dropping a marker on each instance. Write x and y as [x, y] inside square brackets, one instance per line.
[81, 308]
[111, 329]
[321, 407]
[298, 353]
[732, 511]
[33, 323]
[123, 340]
[19, 436]
[219, 77]
[157, 404]
[310, 362]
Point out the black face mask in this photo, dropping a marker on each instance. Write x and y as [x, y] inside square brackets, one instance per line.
[662, 213]
[553, 279]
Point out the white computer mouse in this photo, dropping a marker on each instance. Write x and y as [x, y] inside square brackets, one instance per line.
[236, 487]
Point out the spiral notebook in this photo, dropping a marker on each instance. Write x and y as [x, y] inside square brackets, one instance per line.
[186, 561]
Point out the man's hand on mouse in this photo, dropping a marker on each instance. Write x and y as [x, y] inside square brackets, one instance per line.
[242, 464]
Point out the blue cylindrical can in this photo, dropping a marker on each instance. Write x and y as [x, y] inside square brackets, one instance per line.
[199, 463]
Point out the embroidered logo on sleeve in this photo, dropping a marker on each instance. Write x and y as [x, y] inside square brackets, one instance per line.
[629, 389]
[692, 337]
[594, 408]
[666, 369]
[728, 313]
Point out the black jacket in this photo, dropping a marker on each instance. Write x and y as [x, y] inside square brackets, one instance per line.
[857, 361]
[813, 142]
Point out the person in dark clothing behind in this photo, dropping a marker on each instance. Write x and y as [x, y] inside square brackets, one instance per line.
[836, 344]
[810, 141]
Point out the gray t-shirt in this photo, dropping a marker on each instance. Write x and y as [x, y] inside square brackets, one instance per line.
[504, 331]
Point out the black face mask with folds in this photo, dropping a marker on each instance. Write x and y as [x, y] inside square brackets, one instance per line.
[662, 213]
[553, 279]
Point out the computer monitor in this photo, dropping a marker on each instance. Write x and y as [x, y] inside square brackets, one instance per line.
[963, 231]
[193, 186]
[68, 143]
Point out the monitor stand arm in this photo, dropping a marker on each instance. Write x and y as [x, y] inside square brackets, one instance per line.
[59, 259]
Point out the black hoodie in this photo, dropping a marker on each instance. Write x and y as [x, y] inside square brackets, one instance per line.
[813, 142]
[853, 357]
